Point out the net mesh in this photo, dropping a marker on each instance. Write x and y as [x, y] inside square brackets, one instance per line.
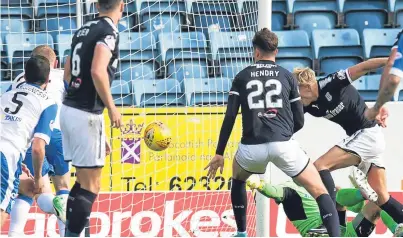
[177, 61]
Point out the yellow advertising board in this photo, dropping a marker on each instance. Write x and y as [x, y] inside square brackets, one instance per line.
[132, 166]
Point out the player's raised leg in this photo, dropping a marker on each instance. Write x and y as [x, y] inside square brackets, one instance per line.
[377, 182]
[10, 171]
[326, 163]
[20, 210]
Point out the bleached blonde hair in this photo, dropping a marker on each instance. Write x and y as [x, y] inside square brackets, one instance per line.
[304, 76]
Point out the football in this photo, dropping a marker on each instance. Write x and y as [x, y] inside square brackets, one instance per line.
[157, 136]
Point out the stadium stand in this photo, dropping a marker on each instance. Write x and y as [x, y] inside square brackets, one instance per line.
[136, 56]
[20, 46]
[62, 46]
[200, 40]
[166, 92]
[207, 91]
[336, 49]
[294, 49]
[184, 55]
[310, 15]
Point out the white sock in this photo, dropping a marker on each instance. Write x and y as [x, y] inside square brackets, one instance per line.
[62, 227]
[19, 216]
[45, 203]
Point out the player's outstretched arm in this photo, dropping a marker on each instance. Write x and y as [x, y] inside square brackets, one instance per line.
[389, 82]
[99, 73]
[225, 133]
[42, 134]
[365, 67]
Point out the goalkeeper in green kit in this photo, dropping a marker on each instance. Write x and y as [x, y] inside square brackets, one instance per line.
[302, 210]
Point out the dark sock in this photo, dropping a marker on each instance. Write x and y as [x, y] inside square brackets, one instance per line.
[342, 218]
[73, 193]
[328, 181]
[394, 209]
[329, 215]
[80, 212]
[239, 203]
[362, 226]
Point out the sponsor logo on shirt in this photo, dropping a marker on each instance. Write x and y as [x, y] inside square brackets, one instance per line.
[334, 112]
[12, 118]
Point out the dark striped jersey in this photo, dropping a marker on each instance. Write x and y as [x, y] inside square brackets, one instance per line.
[340, 102]
[81, 93]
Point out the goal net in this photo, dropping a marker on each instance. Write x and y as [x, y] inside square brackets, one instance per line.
[177, 61]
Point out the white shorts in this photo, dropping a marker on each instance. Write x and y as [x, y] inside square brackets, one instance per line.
[368, 144]
[10, 176]
[83, 137]
[286, 155]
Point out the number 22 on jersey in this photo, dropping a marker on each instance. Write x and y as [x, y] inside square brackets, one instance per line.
[269, 101]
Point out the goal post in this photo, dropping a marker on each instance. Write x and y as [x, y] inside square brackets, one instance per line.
[262, 203]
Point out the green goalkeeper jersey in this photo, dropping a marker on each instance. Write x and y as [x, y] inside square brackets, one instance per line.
[303, 212]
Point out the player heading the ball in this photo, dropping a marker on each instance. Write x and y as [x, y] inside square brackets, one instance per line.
[90, 70]
[272, 112]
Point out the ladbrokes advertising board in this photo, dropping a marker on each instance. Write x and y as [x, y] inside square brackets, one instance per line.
[151, 214]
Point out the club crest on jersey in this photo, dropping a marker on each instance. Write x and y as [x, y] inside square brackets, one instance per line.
[328, 96]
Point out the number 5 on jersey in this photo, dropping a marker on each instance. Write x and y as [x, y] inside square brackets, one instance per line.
[75, 69]
[269, 100]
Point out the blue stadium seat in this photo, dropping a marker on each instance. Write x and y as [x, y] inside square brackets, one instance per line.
[231, 51]
[4, 86]
[294, 49]
[378, 42]
[361, 14]
[137, 70]
[19, 48]
[164, 92]
[207, 91]
[231, 45]
[3, 60]
[229, 69]
[249, 8]
[137, 55]
[62, 46]
[60, 25]
[162, 15]
[16, 9]
[53, 8]
[184, 55]
[370, 93]
[10, 25]
[310, 15]
[210, 12]
[336, 49]
[398, 9]
[121, 93]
